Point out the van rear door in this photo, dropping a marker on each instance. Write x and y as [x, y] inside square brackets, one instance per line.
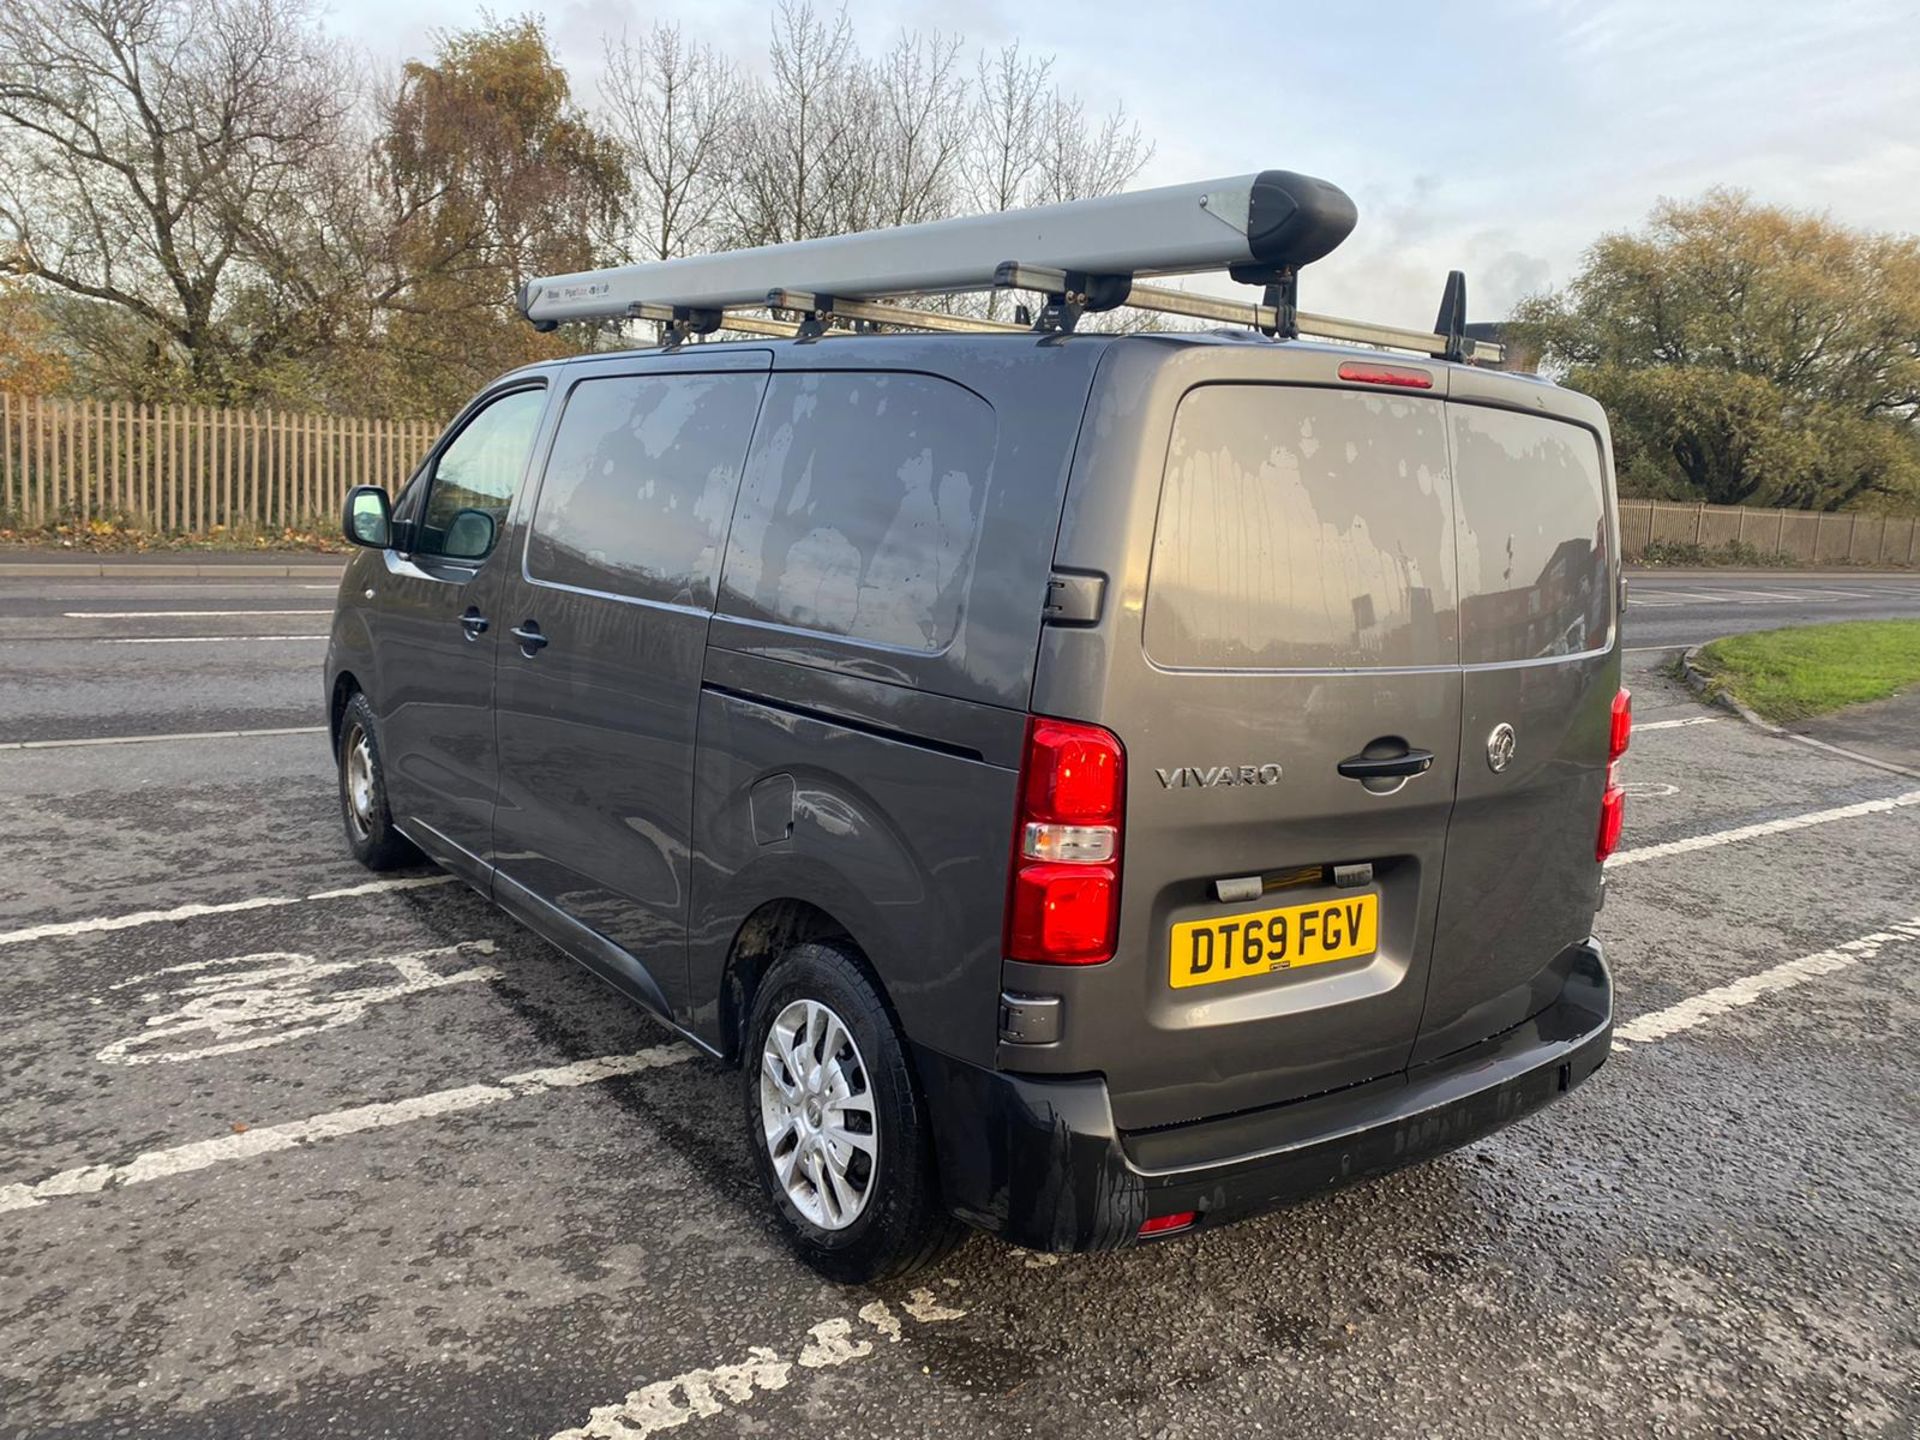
[1538, 643]
[1282, 641]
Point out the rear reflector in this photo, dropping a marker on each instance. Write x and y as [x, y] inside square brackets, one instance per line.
[1408, 376]
[1166, 1224]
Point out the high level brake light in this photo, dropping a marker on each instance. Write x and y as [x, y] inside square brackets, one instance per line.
[1613, 804]
[1406, 377]
[1063, 903]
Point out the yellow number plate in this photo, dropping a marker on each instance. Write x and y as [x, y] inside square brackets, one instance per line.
[1204, 952]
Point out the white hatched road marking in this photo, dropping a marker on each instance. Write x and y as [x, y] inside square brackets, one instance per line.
[195, 639]
[269, 1139]
[249, 1002]
[179, 614]
[225, 907]
[1767, 827]
[155, 739]
[1641, 728]
[710, 1390]
[1698, 1009]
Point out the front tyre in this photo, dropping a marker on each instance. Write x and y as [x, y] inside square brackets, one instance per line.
[838, 1134]
[363, 794]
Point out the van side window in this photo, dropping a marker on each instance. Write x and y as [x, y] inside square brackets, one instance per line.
[1532, 536]
[861, 507]
[474, 478]
[640, 483]
[1303, 529]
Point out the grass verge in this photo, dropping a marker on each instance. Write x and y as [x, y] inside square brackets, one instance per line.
[1815, 669]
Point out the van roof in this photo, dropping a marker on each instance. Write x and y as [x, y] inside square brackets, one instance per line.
[1525, 389]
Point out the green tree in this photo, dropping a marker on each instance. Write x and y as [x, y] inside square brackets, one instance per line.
[491, 176]
[1747, 354]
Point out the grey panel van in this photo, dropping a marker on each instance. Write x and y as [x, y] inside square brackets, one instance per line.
[1094, 787]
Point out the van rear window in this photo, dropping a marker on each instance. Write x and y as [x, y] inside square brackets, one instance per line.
[1533, 537]
[1303, 529]
[861, 507]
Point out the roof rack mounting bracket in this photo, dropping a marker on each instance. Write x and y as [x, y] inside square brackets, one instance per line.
[678, 323]
[1070, 293]
[1451, 326]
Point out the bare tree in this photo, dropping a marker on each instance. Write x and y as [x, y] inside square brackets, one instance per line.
[923, 103]
[804, 149]
[1011, 106]
[674, 107]
[1078, 161]
[145, 143]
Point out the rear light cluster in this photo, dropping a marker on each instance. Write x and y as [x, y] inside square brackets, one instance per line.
[1613, 805]
[1063, 905]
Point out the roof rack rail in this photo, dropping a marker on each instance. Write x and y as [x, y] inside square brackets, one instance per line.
[1268, 317]
[1083, 256]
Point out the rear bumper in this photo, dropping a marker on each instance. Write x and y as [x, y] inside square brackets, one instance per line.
[1041, 1163]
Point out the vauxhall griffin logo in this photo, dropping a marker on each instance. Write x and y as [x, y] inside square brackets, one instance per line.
[1186, 777]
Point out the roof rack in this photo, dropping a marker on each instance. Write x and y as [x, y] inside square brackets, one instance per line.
[1082, 257]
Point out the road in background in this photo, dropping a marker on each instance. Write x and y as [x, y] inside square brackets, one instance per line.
[286, 1150]
[1681, 608]
[91, 657]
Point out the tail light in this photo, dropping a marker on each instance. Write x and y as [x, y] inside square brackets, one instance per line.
[1613, 804]
[1063, 903]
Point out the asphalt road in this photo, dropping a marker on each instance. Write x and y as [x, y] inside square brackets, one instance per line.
[1686, 607]
[284, 1155]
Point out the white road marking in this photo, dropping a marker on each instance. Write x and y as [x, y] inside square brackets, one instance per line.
[178, 614]
[1649, 790]
[225, 907]
[699, 1394]
[269, 1139]
[1767, 827]
[1698, 1009]
[1642, 727]
[154, 739]
[249, 1002]
[195, 639]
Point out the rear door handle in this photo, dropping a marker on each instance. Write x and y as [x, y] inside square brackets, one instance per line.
[1386, 767]
[474, 623]
[529, 637]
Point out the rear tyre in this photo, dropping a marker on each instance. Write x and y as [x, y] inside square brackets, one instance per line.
[363, 794]
[838, 1133]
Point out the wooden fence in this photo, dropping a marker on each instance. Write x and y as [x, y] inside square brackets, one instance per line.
[1807, 537]
[187, 469]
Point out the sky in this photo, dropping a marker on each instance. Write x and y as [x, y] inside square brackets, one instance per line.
[1498, 138]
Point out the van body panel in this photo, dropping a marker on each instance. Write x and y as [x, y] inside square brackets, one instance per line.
[1035, 390]
[1172, 1055]
[1540, 565]
[596, 727]
[903, 845]
[433, 687]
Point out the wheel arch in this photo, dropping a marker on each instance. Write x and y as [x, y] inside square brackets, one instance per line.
[773, 928]
[345, 686]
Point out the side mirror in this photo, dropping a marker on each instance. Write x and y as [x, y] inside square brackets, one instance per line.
[368, 519]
